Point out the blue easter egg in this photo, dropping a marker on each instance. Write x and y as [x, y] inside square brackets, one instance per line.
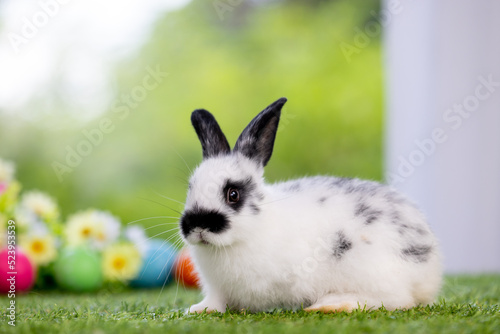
[157, 267]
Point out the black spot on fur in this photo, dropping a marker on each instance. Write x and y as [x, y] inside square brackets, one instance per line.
[370, 219]
[341, 182]
[368, 188]
[361, 209]
[420, 231]
[394, 198]
[403, 228]
[341, 246]
[417, 253]
[407, 229]
[293, 187]
[322, 200]
[255, 209]
[370, 214]
[350, 189]
[395, 218]
[245, 188]
[355, 186]
[210, 220]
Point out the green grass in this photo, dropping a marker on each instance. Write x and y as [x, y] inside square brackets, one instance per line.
[468, 304]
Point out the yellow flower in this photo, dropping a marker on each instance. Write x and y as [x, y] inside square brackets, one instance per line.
[80, 229]
[121, 262]
[92, 227]
[40, 249]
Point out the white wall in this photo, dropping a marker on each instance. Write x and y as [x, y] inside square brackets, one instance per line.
[436, 51]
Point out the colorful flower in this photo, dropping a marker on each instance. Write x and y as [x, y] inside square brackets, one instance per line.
[121, 262]
[41, 249]
[108, 229]
[95, 228]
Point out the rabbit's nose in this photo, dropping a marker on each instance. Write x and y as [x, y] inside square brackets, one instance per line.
[210, 220]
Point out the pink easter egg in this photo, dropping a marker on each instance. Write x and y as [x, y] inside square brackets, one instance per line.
[17, 273]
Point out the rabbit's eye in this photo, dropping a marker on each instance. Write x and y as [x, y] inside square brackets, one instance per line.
[233, 195]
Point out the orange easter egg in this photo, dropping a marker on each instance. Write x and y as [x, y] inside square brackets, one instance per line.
[185, 272]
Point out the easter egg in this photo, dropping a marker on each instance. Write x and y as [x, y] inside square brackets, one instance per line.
[17, 273]
[185, 272]
[157, 265]
[79, 269]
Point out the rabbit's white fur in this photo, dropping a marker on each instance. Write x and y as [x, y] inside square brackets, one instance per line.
[322, 243]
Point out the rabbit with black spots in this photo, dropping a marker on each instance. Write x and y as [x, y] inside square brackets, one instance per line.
[320, 243]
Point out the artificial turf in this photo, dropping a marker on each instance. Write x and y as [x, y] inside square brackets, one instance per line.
[468, 304]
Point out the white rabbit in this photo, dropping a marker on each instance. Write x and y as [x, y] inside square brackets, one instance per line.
[321, 243]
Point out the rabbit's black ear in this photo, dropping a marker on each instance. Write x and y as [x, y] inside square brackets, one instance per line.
[213, 141]
[257, 140]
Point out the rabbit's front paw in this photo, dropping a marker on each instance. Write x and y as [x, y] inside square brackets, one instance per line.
[208, 306]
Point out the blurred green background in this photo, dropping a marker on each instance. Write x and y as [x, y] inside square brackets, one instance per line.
[233, 67]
